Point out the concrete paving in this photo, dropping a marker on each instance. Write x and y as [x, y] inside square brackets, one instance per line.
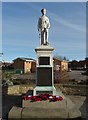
[81, 104]
[15, 112]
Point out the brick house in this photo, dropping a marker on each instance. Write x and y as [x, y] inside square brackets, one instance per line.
[64, 65]
[24, 65]
[60, 68]
[60, 65]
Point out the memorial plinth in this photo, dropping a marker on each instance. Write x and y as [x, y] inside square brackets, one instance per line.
[44, 65]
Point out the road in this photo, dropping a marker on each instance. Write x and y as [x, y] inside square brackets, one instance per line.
[8, 101]
[74, 74]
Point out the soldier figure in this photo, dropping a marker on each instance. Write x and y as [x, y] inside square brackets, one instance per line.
[43, 26]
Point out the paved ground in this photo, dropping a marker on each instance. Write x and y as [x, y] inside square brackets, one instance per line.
[81, 104]
[75, 74]
[10, 101]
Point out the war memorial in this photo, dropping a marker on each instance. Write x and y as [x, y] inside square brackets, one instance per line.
[45, 109]
[44, 66]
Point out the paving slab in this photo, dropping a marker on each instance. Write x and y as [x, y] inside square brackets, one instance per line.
[39, 112]
[45, 104]
[60, 109]
[45, 109]
[15, 112]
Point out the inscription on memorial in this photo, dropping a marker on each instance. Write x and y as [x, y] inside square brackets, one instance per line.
[44, 76]
[44, 60]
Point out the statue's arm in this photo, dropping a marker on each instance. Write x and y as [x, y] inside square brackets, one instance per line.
[39, 21]
[48, 23]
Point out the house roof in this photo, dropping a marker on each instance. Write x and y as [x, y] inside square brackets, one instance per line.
[25, 59]
[60, 59]
[57, 58]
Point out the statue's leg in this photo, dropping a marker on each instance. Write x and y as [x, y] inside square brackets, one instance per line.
[42, 37]
[46, 36]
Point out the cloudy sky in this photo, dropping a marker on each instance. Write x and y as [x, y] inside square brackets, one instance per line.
[67, 33]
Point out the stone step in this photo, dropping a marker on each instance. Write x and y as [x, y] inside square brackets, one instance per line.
[44, 109]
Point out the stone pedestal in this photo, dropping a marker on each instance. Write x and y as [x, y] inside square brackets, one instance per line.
[44, 82]
[44, 89]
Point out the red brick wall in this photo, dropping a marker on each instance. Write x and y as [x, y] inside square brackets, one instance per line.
[18, 64]
[33, 67]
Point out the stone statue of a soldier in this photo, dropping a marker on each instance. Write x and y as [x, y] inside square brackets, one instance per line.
[43, 27]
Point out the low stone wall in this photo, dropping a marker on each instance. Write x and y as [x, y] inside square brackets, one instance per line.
[65, 88]
[16, 90]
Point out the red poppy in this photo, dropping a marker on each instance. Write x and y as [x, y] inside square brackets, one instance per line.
[51, 98]
[59, 98]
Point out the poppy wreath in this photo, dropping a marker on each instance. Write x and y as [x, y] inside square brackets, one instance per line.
[44, 97]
